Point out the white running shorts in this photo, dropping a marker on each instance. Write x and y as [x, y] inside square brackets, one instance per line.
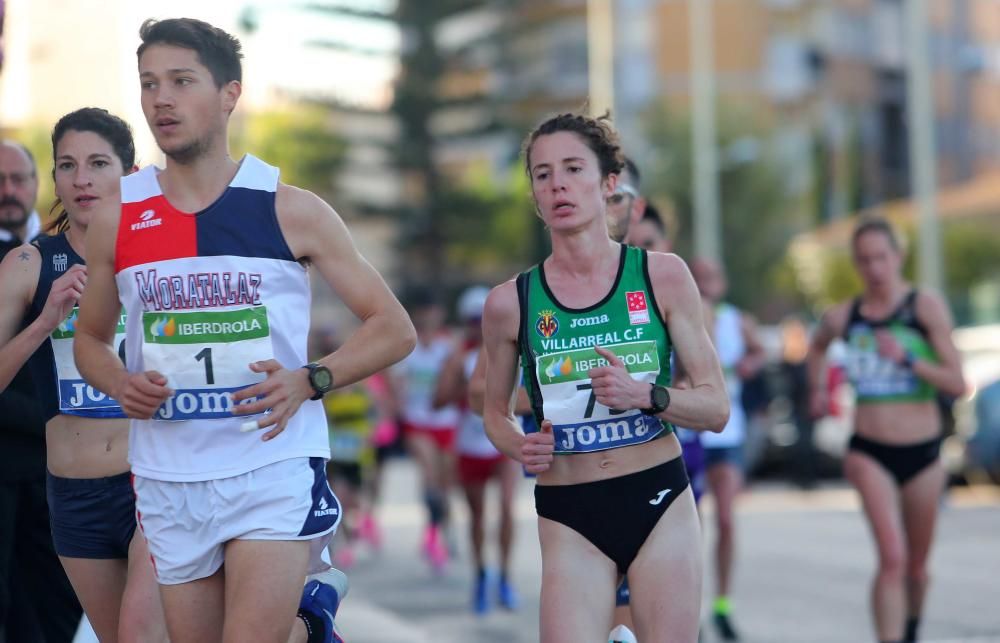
[187, 524]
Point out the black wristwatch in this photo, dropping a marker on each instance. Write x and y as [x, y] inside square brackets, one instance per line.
[320, 379]
[659, 400]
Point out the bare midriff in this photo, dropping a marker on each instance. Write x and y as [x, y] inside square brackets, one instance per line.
[898, 423]
[578, 468]
[78, 447]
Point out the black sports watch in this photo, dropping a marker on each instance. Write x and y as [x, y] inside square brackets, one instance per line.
[320, 379]
[659, 400]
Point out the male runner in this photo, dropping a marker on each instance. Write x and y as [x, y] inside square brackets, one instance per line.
[210, 257]
[741, 354]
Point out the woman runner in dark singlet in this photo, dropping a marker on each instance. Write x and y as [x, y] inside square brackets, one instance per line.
[91, 503]
[900, 353]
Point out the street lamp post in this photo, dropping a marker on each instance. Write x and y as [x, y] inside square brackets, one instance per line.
[600, 56]
[921, 141]
[707, 237]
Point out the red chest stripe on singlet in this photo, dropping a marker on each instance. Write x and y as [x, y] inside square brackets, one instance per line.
[151, 230]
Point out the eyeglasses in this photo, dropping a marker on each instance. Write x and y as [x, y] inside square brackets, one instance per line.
[622, 192]
[17, 180]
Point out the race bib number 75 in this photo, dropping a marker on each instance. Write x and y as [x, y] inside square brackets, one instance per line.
[579, 422]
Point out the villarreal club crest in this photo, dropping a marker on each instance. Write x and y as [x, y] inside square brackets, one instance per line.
[547, 324]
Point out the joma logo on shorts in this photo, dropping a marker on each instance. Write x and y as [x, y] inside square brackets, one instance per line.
[595, 320]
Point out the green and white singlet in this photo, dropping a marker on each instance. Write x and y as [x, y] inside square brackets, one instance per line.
[556, 344]
[876, 378]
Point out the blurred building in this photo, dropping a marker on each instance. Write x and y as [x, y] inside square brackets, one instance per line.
[832, 74]
[510, 64]
[826, 78]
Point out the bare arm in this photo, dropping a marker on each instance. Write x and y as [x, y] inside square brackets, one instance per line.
[477, 390]
[139, 394]
[831, 325]
[315, 232]
[18, 278]
[680, 377]
[946, 374]
[754, 356]
[500, 326]
[386, 334]
[706, 404]
[19, 408]
[450, 388]
[703, 406]
[501, 317]
[384, 399]
[477, 384]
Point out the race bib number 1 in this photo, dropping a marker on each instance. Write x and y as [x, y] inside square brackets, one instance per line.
[205, 357]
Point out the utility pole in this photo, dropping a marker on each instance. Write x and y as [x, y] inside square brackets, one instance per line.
[707, 236]
[601, 56]
[920, 128]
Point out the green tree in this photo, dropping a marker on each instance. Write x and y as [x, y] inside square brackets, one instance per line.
[491, 230]
[299, 141]
[971, 248]
[436, 209]
[758, 214]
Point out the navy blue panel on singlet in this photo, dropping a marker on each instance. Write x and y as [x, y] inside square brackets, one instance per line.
[57, 257]
[242, 223]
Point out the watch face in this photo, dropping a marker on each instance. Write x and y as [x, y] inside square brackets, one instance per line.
[661, 397]
[321, 378]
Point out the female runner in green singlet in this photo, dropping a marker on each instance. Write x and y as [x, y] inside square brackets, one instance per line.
[899, 354]
[595, 324]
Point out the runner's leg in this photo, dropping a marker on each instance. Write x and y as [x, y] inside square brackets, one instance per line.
[578, 586]
[195, 610]
[921, 498]
[880, 499]
[141, 619]
[665, 578]
[99, 584]
[263, 588]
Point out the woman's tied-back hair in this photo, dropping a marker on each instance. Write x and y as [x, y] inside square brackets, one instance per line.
[596, 133]
[112, 129]
[216, 49]
[875, 223]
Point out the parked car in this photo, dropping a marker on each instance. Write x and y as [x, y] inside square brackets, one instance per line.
[972, 450]
[781, 440]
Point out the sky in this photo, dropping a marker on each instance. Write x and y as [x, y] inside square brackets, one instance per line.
[61, 55]
[353, 78]
[85, 48]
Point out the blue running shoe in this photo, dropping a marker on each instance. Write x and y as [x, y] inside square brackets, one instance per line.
[480, 597]
[320, 599]
[509, 598]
